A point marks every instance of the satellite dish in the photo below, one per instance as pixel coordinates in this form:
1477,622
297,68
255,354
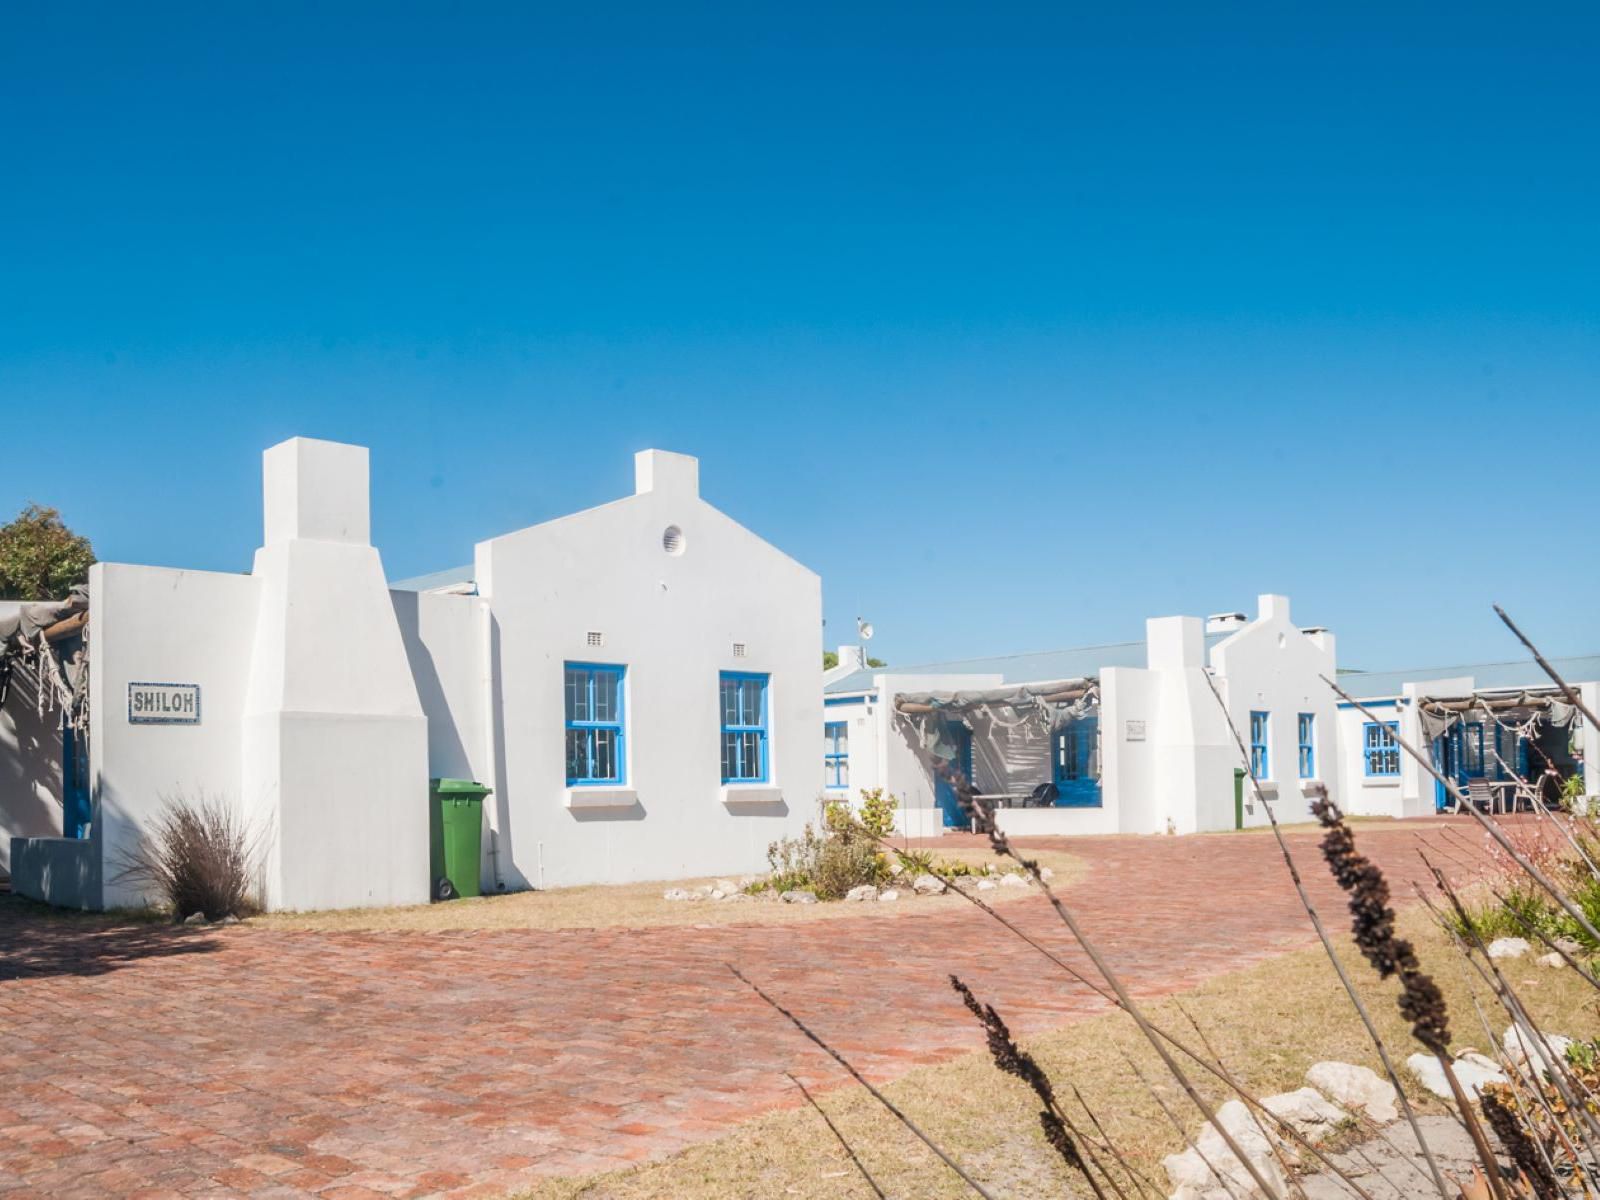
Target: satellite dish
864,629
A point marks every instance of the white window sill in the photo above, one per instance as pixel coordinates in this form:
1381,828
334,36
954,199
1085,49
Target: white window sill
1269,789
743,794
601,797
1380,781
1311,786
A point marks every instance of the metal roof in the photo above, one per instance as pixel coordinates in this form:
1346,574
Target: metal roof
439,579
1364,685
1081,662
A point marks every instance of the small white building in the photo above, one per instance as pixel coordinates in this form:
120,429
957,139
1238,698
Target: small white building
638,684
1492,728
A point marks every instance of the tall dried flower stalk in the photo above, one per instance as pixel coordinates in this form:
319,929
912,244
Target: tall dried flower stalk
1014,1060
1327,945
834,1129
862,1080
999,843
1421,1001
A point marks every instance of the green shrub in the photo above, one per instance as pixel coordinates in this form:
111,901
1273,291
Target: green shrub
842,856
877,812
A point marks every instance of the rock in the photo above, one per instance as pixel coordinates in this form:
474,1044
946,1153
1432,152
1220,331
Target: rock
887,895
798,896
864,892
738,898
1046,874
1359,1089
195,919
1311,1114
927,885
1552,960
1546,1056
1567,945
1194,1180
725,886
987,885
1013,881
1473,1070
1509,947
718,894
675,894
230,919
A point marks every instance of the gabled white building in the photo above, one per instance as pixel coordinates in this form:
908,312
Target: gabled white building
637,683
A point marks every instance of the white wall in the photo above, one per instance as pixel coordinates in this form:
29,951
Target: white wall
672,621
159,625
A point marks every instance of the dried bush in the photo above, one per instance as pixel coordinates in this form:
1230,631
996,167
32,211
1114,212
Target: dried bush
200,856
843,855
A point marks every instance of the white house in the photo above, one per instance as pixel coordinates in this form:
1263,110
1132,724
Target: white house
638,684
1121,738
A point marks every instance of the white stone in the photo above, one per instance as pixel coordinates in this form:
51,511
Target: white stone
1357,1088
198,918
887,895
230,919
1189,1174
718,893
1472,1070
738,898
1546,1056
1551,960
1509,947
1013,881
725,886
1046,874
675,894
798,896
987,885
865,892
1307,1110
927,885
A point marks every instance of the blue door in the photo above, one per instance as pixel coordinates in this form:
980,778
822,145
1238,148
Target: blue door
76,811
1451,759
1074,766
944,795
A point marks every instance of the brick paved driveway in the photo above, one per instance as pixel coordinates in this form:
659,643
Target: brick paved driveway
156,1061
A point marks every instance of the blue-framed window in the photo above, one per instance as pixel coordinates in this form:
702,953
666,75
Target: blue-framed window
744,727
1260,759
595,728
836,754
1379,750
1306,735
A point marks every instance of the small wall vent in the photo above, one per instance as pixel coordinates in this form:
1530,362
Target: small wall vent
672,540
595,638
738,650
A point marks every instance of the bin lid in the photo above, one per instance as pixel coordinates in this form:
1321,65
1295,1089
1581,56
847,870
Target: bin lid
459,787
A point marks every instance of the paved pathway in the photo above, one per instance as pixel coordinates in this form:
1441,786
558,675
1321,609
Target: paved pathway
154,1061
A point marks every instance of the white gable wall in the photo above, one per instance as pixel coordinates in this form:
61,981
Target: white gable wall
672,621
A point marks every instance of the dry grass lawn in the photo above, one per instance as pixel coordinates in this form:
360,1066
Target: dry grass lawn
638,905
1269,1023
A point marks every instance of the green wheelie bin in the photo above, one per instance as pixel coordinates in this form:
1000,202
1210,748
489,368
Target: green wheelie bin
455,837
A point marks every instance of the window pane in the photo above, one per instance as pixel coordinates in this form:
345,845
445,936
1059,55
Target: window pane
605,696
750,702
751,764
842,737
729,755
843,773
730,701
605,753
577,754
577,695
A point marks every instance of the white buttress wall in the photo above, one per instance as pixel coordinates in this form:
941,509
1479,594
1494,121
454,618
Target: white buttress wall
157,625
672,620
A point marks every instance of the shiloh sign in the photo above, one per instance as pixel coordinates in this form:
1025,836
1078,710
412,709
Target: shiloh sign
163,704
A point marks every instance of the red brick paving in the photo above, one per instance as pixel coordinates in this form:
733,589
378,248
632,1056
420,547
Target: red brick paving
174,1062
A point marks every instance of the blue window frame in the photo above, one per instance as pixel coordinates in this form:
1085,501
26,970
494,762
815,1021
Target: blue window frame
595,728
1472,760
744,727
1260,759
1306,735
836,754
1379,750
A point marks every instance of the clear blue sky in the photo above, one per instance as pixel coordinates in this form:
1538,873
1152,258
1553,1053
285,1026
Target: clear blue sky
1017,325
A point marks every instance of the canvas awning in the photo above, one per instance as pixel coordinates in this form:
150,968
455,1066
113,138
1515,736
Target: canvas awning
1510,709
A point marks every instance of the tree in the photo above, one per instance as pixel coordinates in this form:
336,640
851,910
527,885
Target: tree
830,660
40,558
876,662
